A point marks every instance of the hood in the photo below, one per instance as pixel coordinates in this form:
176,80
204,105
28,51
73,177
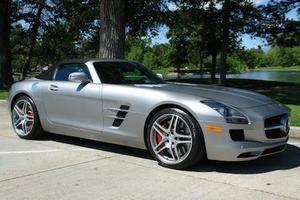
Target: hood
236,97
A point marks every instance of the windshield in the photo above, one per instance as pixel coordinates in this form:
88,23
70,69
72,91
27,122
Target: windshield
125,73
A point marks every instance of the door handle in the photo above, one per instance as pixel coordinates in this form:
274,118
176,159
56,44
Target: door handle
53,88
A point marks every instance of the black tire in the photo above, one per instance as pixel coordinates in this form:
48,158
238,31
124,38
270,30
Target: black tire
197,151
37,130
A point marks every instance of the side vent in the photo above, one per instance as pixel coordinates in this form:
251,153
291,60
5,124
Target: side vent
124,107
117,122
120,116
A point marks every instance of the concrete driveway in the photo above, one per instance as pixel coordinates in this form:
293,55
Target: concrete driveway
60,167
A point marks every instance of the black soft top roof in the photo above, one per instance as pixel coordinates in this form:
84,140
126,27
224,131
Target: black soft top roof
48,74
84,60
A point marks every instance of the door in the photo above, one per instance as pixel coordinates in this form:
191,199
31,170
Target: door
75,107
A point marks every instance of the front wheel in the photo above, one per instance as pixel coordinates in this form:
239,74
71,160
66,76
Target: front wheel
175,139
25,118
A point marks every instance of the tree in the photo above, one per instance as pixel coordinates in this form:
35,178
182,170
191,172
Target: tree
275,26
225,41
251,57
136,16
112,29
136,48
213,35
5,56
218,24
203,28
33,36
282,56
179,39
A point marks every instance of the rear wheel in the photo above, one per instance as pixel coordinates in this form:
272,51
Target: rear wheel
25,119
175,139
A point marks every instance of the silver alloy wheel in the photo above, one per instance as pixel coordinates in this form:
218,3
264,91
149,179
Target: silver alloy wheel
171,138
23,117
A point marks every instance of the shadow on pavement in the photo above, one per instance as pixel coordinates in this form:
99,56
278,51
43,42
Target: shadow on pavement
286,160
130,151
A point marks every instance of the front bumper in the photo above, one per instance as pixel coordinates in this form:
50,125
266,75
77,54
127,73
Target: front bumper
254,144
243,151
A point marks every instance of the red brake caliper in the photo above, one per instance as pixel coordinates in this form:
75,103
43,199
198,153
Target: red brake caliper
158,136
30,113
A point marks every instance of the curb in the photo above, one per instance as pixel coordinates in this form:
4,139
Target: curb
295,132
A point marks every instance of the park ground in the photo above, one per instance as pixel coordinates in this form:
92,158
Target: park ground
61,167
278,68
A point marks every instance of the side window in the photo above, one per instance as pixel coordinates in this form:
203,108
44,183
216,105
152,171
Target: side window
109,73
48,74
62,72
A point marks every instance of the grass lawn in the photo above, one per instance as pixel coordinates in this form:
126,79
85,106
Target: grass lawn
285,93
17,75
294,68
3,94
164,71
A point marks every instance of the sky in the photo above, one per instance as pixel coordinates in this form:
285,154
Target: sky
247,41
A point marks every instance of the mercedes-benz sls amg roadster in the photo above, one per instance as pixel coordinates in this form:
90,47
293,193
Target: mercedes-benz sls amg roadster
123,102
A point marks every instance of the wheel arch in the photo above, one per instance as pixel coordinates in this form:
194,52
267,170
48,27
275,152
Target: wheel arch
165,106
16,96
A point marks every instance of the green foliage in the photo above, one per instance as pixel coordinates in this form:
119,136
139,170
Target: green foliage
282,56
235,64
155,57
162,56
144,16
252,58
136,48
275,26
70,29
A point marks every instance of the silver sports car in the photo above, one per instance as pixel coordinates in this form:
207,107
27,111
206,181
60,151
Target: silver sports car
123,102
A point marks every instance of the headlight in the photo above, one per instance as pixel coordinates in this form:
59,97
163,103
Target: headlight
230,114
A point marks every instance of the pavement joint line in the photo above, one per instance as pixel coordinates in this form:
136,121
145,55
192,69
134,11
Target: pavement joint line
209,180
43,151
49,145
41,143
56,168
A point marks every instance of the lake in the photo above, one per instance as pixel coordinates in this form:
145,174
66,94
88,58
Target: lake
282,76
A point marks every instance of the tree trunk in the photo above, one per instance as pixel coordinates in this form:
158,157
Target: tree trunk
112,30
201,64
225,43
178,71
213,65
6,78
33,36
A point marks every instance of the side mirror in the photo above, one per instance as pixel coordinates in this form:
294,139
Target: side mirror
79,77
160,76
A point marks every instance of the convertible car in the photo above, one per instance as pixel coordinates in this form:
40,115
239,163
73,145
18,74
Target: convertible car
123,102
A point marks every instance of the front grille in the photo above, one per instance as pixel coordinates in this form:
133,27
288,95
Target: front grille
277,126
272,121
275,133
